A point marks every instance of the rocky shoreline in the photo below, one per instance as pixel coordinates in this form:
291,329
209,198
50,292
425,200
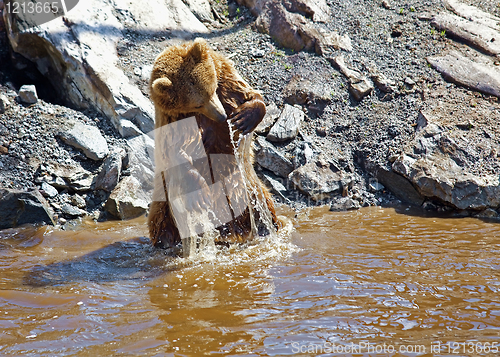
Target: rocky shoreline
393,103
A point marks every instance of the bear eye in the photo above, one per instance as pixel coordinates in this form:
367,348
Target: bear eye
198,107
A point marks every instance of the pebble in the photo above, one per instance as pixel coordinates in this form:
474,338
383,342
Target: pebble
49,190
257,53
78,201
27,94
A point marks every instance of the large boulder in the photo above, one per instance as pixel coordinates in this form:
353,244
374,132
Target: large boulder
294,24
439,177
78,53
22,207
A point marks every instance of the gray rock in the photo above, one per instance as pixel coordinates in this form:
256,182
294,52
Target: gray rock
108,177
27,94
49,190
257,53
383,83
438,176
482,77
128,129
473,13
487,213
290,25
88,139
72,211
360,85
272,113
303,154
375,186
308,88
472,27
78,201
22,207
330,41
267,156
71,177
344,204
3,103
399,186
141,160
277,186
318,181
201,9
288,124
127,200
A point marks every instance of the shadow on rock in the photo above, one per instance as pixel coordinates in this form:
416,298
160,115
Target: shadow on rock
129,260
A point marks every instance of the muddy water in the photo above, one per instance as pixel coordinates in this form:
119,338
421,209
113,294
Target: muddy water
369,283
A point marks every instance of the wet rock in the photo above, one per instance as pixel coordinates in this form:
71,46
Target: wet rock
272,113
487,213
201,9
127,200
360,85
318,181
78,52
71,177
267,156
344,204
473,26
288,124
108,177
27,94
482,77
22,207
49,190
401,187
72,211
88,139
277,186
438,176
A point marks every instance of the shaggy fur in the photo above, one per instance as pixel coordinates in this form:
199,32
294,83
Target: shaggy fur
193,80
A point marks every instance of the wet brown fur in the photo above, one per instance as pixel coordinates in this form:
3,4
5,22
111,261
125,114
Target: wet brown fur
194,73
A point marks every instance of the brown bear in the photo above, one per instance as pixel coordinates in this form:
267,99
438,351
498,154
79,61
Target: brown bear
196,92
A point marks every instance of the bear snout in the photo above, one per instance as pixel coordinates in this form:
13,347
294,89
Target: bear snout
214,109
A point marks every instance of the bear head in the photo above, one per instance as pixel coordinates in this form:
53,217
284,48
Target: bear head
184,80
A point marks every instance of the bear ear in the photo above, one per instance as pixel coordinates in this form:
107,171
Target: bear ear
161,85
199,50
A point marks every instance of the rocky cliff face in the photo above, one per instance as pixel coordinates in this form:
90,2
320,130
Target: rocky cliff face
396,104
